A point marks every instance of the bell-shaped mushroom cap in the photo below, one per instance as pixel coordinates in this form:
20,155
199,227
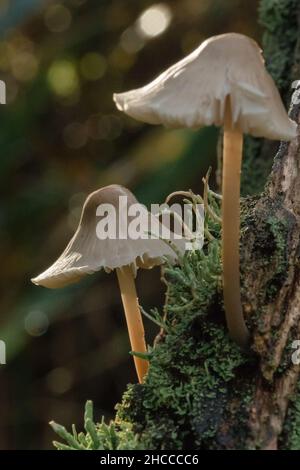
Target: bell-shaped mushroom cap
192,93
86,253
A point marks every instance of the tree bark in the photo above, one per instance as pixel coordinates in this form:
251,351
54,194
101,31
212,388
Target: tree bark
201,393
271,270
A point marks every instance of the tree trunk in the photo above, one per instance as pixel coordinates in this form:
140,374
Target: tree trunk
202,392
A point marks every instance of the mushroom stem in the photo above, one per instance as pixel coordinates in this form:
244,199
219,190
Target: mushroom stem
232,159
133,319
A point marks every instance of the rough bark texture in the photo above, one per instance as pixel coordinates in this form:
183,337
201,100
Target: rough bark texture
258,407
202,392
271,250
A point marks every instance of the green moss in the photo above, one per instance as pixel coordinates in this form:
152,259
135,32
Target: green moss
255,169
184,401
184,398
280,21
98,436
270,232
278,232
281,49
290,437
285,362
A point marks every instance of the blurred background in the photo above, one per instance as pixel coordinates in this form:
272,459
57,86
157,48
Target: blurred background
61,138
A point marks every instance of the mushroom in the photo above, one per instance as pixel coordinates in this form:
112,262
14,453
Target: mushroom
223,82
91,250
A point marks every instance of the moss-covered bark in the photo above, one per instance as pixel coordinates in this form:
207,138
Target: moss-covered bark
281,45
202,392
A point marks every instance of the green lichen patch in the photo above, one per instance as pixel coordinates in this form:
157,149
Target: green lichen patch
290,436
269,231
255,167
96,436
281,50
280,40
183,402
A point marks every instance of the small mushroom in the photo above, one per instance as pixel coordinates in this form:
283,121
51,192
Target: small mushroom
86,253
223,82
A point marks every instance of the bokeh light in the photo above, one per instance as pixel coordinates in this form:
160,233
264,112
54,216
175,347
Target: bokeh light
154,21
4,57
75,135
131,41
106,127
24,66
63,78
93,66
120,59
36,323
58,18
62,138
4,4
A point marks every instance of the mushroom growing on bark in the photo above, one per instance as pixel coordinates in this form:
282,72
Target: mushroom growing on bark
102,241
223,82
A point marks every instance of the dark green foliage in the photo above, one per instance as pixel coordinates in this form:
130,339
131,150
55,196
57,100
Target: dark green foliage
189,396
291,431
255,167
99,436
183,402
280,21
281,50
192,363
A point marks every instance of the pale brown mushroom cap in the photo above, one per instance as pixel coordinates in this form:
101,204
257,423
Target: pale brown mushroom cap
86,253
192,93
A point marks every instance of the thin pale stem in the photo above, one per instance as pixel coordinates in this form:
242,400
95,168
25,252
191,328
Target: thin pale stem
133,319
232,158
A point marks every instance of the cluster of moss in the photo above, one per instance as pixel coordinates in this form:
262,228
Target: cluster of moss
96,436
281,35
270,246
291,431
182,403
184,396
281,48
255,169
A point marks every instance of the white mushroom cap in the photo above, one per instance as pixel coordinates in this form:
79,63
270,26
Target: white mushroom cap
192,93
86,253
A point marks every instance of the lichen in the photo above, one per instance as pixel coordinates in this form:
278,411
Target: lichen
281,33
96,436
255,169
290,436
270,232
184,401
281,49
184,398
